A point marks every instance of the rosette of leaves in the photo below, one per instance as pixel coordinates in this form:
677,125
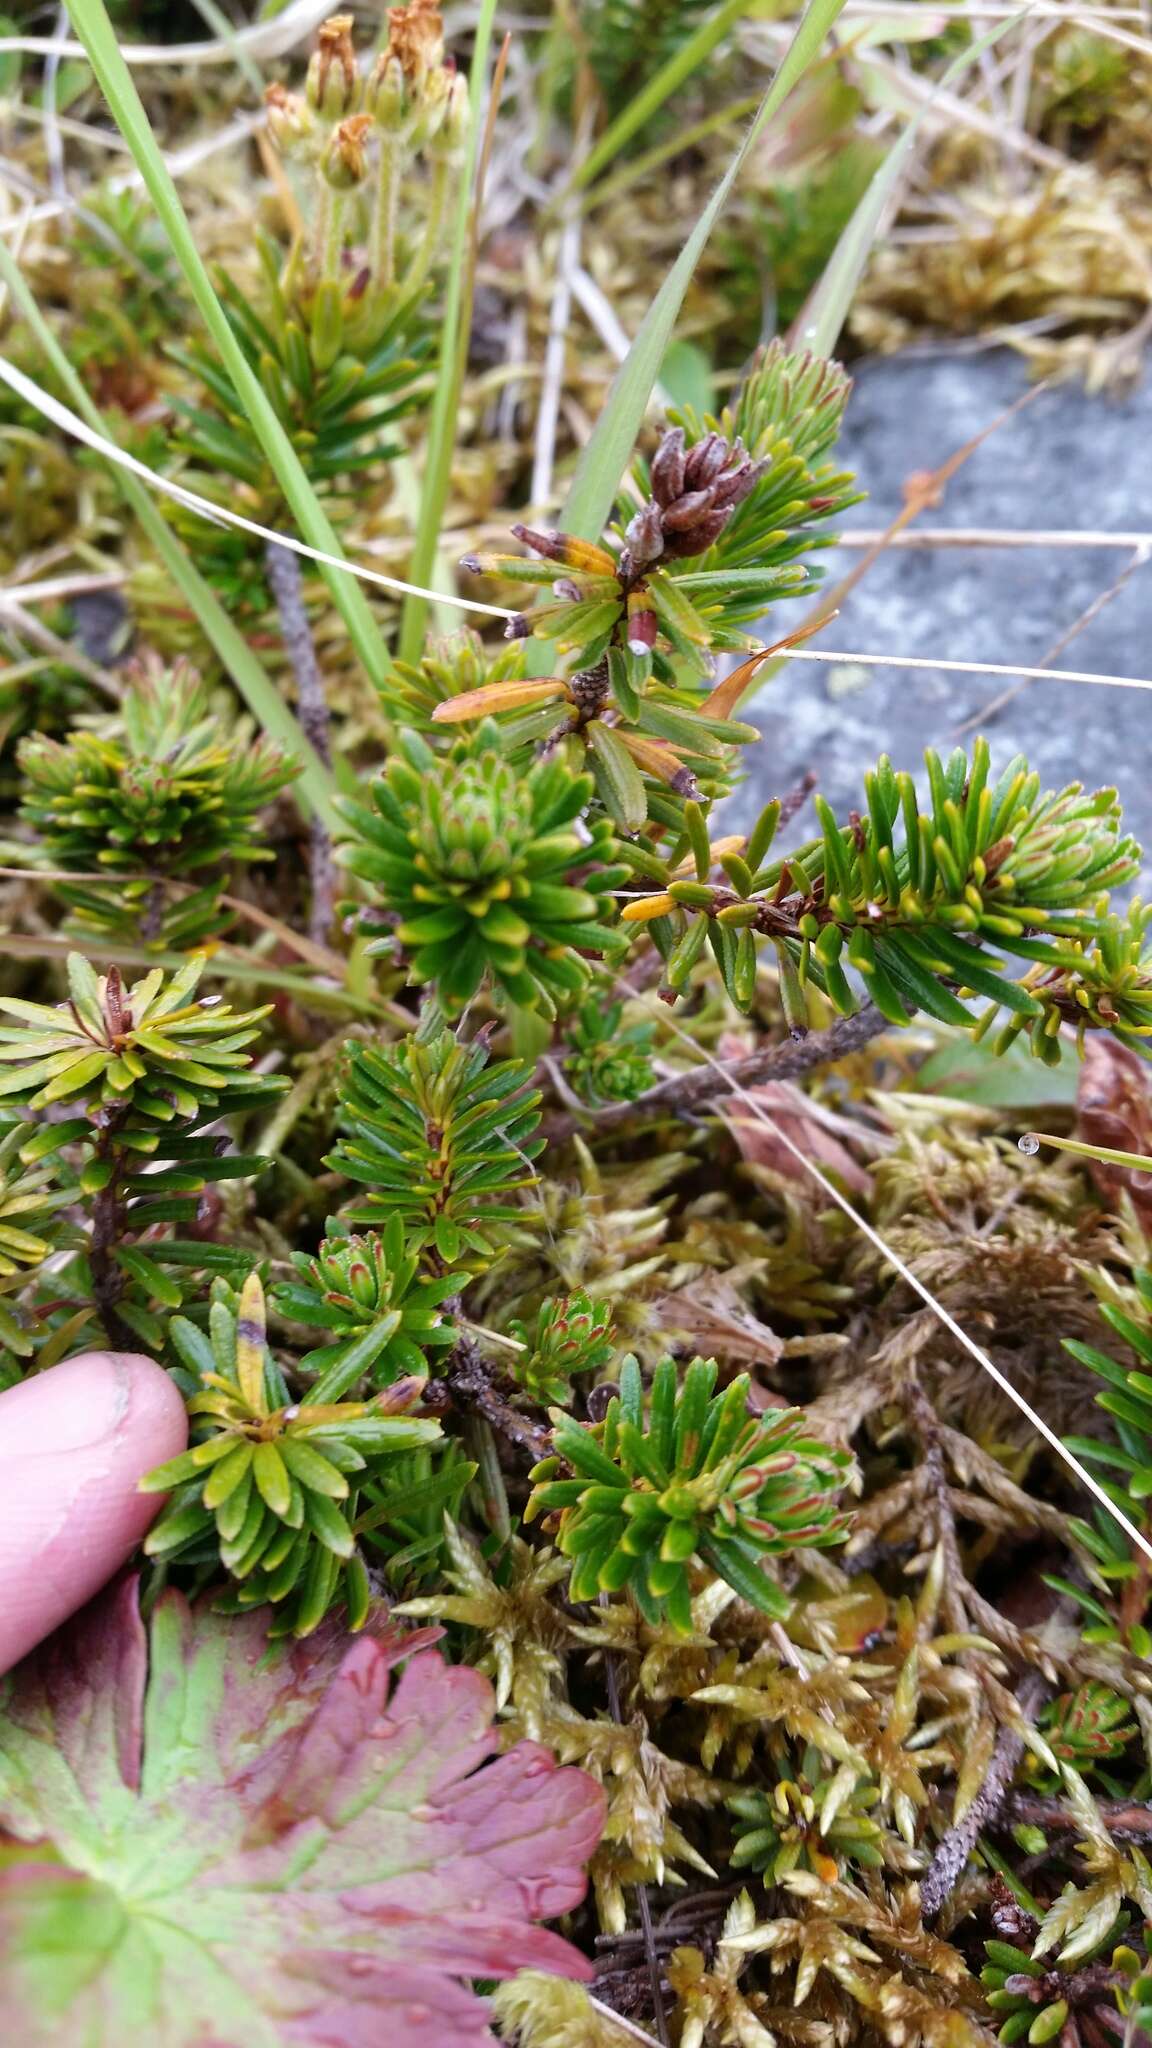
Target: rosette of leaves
271,1485
1078,2003
443,1137
698,1477
485,873
148,803
1090,1727
145,1073
573,1335
383,1313
1117,1609
815,1817
207,1839
909,899
608,1061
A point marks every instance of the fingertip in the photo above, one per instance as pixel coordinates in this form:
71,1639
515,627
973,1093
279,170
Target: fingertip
74,1444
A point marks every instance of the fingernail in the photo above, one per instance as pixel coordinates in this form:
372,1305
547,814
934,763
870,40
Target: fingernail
79,1404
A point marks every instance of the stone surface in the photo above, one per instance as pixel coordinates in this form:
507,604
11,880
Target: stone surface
1068,461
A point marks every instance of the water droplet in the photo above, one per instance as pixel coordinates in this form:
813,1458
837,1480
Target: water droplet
1029,1143
290,1414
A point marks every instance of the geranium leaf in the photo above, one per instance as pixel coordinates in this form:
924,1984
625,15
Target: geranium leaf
218,1846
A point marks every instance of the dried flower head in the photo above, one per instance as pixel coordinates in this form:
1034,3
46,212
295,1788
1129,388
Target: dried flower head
333,82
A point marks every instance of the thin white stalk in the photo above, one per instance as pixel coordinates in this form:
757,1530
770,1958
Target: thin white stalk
222,515
265,39
969,668
989,537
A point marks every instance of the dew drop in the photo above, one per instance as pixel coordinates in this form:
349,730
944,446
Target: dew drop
1029,1144
290,1414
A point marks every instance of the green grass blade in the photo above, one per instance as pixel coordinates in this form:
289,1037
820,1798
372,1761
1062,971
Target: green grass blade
680,66
450,372
818,326
610,447
93,28
315,786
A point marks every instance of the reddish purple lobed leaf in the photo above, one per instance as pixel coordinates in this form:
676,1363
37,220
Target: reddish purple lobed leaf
210,1845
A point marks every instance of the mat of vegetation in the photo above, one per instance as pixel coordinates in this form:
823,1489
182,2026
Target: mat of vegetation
664,1314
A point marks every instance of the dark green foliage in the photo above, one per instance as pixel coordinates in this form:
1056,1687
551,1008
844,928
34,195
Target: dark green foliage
573,1335
1117,1611
608,1063
443,1137
815,1817
1038,1999
727,506
339,376
628,40
384,1316
910,899
1089,1726
156,805
271,1486
486,872
698,1478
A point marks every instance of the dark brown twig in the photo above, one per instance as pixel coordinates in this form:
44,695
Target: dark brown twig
947,1866
470,1386
282,568
1125,1818
109,1220
684,1094
651,1953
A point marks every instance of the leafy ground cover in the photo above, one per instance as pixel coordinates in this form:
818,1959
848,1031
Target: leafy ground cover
664,1315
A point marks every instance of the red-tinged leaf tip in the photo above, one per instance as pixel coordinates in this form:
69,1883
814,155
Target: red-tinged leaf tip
208,1761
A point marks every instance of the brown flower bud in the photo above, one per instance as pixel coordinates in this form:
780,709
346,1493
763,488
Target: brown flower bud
680,516
642,622
644,537
333,82
345,162
699,538
705,461
416,37
668,467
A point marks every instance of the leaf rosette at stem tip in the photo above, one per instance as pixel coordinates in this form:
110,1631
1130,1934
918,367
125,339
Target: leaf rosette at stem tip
441,1135
153,1051
270,1487
382,1313
147,801
486,873
696,1479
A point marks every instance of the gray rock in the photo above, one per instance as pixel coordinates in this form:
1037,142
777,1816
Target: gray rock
1067,460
